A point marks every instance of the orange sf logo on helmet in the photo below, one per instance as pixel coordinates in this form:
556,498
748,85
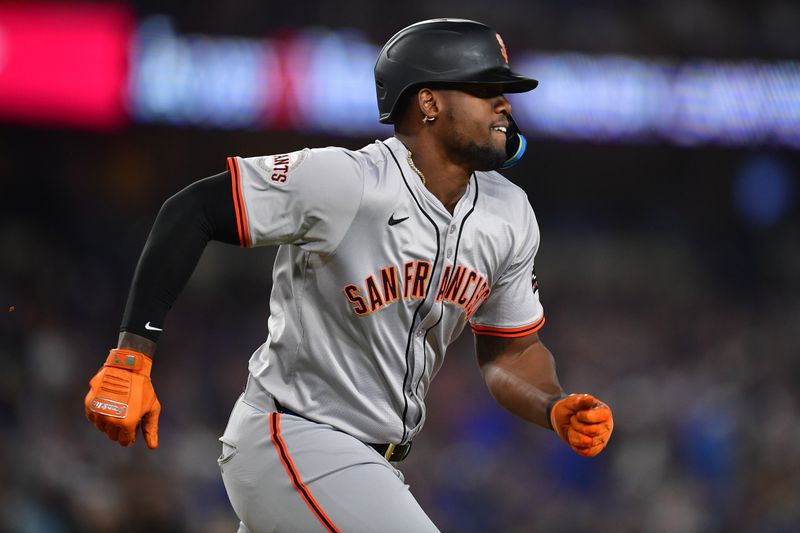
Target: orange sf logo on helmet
502,46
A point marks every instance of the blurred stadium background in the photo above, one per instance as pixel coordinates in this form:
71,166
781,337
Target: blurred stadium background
664,168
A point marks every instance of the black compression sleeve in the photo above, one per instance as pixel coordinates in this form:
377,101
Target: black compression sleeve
186,222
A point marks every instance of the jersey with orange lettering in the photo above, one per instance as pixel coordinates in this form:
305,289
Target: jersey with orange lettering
374,278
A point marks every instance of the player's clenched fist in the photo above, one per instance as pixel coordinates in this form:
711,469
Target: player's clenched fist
583,422
121,397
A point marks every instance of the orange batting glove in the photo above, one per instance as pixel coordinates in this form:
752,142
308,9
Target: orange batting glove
121,397
583,422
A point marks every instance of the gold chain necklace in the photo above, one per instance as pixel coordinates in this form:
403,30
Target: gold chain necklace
414,167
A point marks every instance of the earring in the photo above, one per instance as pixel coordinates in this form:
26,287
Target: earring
428,119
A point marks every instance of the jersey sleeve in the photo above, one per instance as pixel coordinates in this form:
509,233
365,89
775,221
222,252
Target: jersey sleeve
308,198
513,308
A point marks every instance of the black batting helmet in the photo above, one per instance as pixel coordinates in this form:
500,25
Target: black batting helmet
445,50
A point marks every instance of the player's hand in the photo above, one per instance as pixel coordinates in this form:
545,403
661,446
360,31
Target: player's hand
121,398
583,422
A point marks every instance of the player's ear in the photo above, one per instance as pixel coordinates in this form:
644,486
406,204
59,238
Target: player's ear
428,102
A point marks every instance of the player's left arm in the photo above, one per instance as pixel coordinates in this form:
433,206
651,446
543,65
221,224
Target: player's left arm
520,373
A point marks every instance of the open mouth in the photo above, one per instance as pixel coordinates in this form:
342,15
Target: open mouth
501,129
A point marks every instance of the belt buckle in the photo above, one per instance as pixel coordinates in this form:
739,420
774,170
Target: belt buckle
389,451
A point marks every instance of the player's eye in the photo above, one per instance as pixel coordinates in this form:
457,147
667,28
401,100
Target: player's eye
486,91
474,89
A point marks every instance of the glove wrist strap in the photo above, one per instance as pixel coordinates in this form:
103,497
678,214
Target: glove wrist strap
136,362
549,411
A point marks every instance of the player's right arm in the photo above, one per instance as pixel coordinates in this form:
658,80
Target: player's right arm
307,198
121,395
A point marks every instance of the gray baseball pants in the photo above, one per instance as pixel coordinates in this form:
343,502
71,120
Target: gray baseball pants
287,474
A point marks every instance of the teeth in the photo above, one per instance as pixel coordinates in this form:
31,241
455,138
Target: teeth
500,128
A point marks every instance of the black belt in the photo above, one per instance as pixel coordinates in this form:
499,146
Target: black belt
391,452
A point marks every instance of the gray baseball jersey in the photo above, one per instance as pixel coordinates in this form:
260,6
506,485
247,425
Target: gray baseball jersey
374,278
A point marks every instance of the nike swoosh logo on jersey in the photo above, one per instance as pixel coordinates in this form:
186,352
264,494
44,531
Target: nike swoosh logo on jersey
393,221
151,328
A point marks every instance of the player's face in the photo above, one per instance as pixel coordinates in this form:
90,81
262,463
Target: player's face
475,116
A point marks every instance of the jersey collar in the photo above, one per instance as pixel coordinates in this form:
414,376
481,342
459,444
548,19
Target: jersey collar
401,153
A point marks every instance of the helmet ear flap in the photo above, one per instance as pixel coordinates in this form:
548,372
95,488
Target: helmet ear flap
515,144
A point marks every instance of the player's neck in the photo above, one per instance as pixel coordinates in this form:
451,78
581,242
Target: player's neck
446,180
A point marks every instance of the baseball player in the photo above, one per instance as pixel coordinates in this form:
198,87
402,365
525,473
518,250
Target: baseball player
385,254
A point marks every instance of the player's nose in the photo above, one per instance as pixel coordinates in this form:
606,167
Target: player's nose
503,106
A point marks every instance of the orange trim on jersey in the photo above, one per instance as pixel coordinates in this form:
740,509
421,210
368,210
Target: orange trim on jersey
235,198
288,464
507,332
238,203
